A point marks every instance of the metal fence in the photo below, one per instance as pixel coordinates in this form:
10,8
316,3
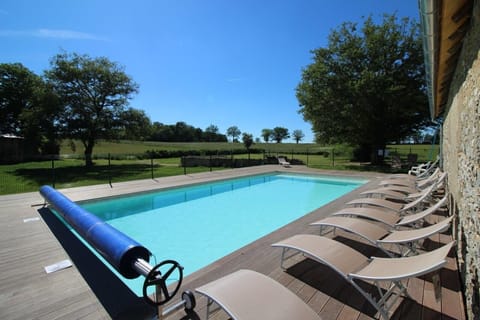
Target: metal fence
70,171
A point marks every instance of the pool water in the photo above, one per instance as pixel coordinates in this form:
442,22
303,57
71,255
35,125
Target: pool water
200,224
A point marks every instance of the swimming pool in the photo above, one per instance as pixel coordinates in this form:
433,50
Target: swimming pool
200,224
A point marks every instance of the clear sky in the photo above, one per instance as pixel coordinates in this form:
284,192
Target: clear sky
221,62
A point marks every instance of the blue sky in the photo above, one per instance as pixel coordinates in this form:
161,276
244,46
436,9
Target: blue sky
220,62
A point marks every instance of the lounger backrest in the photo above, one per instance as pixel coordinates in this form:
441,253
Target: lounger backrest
412,218
363,228
430,179
395,269
430,169
412,235
426,193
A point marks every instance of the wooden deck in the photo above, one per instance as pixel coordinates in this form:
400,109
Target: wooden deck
88,290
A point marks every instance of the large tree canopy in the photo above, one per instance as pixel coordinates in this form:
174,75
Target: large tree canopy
17,93
28,108
95,93
234,132
280,133
367,86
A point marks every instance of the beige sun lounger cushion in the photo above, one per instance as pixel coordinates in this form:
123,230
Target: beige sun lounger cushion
401,189
403,193
282,161
249,295
379,236
416,184
415,217
411,235
352,265
396,269
349,263
394,206
360,227
386,193
389,217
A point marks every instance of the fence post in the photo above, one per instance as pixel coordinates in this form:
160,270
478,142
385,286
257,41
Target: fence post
307,157
53,171
210,162
109,171
333,157
151,165
184,165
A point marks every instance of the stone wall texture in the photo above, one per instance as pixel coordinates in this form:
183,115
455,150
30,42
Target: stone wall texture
461,160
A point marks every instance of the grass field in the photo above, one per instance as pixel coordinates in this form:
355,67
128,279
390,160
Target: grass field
135,147
128,162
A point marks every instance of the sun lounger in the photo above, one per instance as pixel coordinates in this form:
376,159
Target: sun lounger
249,295
421,171
421,168
403,193
389,217
353,266
406,241
282,161
386,193
417,184
394,206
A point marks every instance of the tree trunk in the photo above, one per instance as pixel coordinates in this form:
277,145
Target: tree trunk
88,153
378,155
370,153
362,153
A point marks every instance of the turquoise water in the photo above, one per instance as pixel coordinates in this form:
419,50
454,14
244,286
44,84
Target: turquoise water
200,224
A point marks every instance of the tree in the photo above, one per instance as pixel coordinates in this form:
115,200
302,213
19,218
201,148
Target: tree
136,125
94,93
212,129
280,133
28,108
267,134
367,87
247,140
212,134
298,135
17,94
161,132
234,132
184,132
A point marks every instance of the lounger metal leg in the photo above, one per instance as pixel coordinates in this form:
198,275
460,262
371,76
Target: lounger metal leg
380,246
209,310
383,304
286,257
370,299
209,303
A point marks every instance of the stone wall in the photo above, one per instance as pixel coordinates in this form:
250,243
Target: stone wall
461,159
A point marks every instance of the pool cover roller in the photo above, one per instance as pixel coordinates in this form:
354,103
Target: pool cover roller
117,248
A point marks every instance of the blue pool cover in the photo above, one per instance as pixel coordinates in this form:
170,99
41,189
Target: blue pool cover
117,248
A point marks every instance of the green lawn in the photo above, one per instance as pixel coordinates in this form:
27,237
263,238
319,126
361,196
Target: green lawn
125,165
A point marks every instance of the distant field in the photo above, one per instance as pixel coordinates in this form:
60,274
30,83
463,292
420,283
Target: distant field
134,147
128,161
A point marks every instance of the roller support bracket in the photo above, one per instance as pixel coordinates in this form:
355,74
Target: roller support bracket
159,280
